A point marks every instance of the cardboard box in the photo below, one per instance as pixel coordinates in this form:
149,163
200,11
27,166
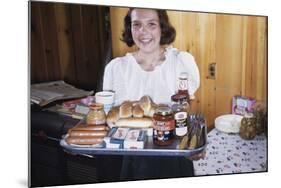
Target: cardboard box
242,105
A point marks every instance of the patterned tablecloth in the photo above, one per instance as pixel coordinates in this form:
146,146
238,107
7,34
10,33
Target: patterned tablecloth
228,153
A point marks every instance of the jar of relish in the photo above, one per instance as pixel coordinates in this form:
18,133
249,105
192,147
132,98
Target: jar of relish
163,126
96,114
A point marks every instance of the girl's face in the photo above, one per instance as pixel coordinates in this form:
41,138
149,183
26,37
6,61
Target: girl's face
145,28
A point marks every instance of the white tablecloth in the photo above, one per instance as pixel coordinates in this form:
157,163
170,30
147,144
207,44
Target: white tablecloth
228,153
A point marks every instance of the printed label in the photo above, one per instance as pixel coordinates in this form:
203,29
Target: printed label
181,123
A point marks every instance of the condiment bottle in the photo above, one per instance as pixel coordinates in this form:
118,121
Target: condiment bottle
248,129
180,116
96,114
182,95
163,126
183,86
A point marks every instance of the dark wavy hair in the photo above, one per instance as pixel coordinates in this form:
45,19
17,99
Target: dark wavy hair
168,32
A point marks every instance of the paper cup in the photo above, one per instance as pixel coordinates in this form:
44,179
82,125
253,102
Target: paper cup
106,98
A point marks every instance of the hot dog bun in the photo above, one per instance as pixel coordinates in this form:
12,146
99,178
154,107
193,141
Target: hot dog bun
145,104
126,110
134,122
138,111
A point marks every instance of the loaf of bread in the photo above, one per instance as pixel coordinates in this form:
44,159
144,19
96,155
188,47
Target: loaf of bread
134,122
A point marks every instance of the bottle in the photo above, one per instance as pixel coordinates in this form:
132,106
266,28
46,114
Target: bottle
182,95
183,86
180,116
96,115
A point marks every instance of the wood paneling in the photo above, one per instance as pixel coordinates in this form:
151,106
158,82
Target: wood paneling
68,42
229,60
237,44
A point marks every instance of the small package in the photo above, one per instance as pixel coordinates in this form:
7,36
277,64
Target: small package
116,137
242,105
135,139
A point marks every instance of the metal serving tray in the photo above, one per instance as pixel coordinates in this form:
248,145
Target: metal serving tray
150,149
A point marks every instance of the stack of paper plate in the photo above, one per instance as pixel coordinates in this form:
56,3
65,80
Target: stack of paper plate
229,123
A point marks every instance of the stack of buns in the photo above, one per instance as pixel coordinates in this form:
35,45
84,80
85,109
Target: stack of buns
132,114
86,134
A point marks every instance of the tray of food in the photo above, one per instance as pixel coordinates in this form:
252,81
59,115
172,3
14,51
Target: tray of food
138,128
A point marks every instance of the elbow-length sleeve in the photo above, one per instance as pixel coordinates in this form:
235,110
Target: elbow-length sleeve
187,64
113,80
107,78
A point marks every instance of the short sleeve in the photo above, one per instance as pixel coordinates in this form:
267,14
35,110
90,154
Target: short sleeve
187,64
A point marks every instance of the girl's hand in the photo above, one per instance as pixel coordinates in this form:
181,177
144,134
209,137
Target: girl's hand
197,156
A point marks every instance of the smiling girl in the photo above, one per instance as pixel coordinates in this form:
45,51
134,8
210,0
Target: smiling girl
152,70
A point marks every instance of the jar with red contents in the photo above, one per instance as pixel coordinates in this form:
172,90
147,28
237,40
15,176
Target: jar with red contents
163,126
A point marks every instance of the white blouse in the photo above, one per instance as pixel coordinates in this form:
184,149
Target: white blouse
129,81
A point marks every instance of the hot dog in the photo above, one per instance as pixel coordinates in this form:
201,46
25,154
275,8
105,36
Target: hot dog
89,127
84,140
85,133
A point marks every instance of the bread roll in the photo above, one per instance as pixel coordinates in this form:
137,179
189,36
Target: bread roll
152,110
126,110
135,122
138,111
113,115
145,103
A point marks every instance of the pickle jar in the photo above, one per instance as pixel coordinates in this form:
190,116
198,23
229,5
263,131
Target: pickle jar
96,114
163,126
248,129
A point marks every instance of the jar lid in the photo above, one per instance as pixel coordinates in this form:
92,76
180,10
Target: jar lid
96,106
249,115
163,110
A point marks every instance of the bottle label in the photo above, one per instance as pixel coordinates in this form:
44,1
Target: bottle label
162,135
182,84
181,123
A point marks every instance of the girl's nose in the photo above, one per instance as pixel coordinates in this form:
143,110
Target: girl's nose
143,29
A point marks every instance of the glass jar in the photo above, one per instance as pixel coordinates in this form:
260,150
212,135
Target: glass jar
248,130
96,115
180,116
163,126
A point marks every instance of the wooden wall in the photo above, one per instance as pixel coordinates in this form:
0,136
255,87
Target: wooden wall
69,42
236,44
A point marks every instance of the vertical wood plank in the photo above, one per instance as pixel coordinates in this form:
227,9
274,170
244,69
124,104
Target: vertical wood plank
50,41
65,42
255,59
117,24
229,60
205,56
38,67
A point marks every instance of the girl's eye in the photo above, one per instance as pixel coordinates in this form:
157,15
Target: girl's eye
136,25
152,25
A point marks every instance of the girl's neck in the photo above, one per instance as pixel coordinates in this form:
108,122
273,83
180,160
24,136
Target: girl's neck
149,60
